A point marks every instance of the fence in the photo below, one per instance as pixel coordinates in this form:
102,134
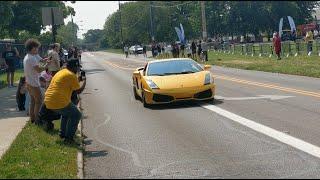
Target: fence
19,62
288,48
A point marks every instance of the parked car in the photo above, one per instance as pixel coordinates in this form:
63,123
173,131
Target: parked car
136,49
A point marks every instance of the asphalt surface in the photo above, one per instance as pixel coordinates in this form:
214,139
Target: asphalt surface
186,140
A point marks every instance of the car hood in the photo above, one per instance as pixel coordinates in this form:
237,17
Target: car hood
179,81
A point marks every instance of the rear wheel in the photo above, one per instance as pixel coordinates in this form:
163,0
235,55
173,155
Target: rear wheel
136,96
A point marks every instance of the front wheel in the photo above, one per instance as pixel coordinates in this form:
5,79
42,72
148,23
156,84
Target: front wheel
136,96
145,104
210,101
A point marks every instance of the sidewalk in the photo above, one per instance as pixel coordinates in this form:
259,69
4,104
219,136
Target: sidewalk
11,120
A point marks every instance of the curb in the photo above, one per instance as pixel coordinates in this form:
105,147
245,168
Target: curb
80,152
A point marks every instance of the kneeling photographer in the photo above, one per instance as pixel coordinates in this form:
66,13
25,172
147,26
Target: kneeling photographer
61,98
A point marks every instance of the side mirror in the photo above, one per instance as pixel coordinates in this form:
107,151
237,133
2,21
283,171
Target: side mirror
140,68
207,67
136,73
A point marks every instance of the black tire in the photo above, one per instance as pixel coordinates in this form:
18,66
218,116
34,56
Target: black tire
210,101
145,104
136,96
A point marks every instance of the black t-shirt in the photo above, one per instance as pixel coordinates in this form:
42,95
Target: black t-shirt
193,46
10,57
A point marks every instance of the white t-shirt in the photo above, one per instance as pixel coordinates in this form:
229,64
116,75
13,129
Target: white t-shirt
32,76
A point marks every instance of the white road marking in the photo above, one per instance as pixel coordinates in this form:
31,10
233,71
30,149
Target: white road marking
134,155
271,97
280,136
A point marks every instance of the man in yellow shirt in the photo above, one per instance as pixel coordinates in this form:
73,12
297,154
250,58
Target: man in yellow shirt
58,99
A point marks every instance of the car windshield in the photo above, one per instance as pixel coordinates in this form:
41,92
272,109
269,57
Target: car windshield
173,67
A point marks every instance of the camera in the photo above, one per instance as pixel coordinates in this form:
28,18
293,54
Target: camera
82,75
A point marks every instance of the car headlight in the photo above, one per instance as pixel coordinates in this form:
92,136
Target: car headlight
208,79
151,84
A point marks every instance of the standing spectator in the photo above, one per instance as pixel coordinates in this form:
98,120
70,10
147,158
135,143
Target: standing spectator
136,50
54,59
126,50
315,33
76,53
58,99
159,49
144,51
277,45
177,49
162,48
194,49
182,47
32,72
199,50
173,50
168,49
204,47
189,51
153,49
10,56
309,40
70,52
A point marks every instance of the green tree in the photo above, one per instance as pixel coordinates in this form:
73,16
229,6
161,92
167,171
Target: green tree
27,15
6,15
67,34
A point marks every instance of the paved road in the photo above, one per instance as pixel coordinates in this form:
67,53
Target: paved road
262,125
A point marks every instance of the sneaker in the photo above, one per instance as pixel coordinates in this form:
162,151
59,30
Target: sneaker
69,141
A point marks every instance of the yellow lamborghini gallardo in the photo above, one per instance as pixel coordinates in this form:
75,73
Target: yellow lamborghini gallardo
169,80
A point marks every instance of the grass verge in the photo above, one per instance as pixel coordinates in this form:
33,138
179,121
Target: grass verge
38,154
3,77
300,65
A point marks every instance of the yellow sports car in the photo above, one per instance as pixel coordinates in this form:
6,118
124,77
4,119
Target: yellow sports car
169,80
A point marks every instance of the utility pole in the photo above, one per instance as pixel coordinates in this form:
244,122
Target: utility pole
204,24
73,30
120,26
151,22
54,31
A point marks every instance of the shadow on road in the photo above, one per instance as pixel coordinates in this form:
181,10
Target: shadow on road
184,104
94,71
92,154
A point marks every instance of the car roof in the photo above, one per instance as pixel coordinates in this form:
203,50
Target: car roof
169,59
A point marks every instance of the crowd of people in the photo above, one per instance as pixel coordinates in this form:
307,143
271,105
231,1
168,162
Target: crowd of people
196,50
50,86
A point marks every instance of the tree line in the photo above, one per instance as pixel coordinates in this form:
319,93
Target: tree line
21,20
224,18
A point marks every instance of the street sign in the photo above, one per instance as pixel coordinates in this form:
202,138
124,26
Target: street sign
47,16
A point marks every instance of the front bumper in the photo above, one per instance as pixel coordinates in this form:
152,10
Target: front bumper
158,96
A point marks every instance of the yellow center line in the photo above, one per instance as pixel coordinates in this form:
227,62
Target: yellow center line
116,66
242,81
271,86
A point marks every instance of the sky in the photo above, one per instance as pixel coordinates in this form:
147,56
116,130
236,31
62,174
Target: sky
91,14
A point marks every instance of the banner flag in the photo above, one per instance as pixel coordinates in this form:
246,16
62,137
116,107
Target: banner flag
292,25
178,33
280,26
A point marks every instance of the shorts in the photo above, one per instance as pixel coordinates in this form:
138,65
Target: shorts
11,69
